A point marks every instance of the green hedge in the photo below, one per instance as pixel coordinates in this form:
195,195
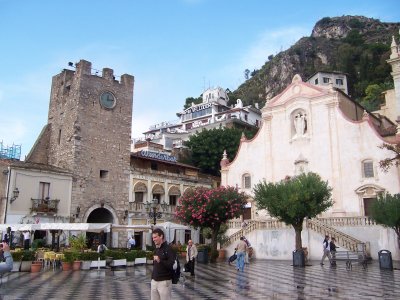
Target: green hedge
25,255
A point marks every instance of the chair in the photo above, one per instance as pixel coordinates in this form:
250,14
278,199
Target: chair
40,256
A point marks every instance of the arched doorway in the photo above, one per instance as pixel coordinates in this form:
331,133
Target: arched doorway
99,215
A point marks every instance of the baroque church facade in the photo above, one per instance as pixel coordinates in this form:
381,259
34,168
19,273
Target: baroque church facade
309,128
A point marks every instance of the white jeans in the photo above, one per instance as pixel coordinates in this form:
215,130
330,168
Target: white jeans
161,290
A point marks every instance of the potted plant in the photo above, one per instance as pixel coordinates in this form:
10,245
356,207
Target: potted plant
36,266
87,258
17,258
27,257
67,260
78,245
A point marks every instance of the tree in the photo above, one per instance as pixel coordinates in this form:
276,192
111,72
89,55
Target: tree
386,163
190,100
373,97
208,158
293,199
386,211
202,207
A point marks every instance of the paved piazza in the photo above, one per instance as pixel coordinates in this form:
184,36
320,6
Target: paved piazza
262,279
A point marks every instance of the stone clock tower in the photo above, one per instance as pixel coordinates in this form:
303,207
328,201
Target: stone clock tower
89,133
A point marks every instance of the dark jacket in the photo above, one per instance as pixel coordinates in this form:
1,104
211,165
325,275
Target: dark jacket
163,269
332,246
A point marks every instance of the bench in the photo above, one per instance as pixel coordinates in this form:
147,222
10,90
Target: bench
349,257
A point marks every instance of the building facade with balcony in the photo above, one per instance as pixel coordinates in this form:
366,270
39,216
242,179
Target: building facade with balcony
44,193
157,176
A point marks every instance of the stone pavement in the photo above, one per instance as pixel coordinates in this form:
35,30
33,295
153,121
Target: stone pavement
262,279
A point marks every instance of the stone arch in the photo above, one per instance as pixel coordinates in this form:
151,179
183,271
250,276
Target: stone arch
140,187
158,189
174,190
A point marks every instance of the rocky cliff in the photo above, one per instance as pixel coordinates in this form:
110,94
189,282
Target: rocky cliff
355,45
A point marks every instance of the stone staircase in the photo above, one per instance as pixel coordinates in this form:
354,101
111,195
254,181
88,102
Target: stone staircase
321,226
342,239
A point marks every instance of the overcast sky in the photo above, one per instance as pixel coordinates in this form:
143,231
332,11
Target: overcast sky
174,48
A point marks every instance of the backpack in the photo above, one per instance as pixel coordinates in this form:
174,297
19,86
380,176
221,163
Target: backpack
176,270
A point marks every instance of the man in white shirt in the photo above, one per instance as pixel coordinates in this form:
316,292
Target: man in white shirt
191,254
131,243
27,239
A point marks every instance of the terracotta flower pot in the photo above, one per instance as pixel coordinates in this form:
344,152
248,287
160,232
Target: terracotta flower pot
76,265
36,266
221,253
66,266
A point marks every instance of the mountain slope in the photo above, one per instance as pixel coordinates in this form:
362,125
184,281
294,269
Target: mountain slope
355,45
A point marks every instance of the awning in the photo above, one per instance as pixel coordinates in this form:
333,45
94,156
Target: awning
90,227
115,228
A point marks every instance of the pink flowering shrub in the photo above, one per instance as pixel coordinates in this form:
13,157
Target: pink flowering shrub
202,207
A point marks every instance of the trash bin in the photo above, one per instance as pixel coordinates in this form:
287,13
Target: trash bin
202,256
298,258
385,259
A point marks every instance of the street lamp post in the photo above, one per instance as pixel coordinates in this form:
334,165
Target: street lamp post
154,209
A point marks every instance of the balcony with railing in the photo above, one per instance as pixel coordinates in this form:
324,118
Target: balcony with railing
46,205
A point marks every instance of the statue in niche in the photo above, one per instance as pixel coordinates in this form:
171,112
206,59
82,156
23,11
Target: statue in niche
300,124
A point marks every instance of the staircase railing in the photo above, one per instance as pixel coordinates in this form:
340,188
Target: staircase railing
342,239
321,226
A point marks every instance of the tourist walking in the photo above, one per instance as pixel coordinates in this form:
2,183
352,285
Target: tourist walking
7,265
241,250
163,261
332,248
191,254
326,250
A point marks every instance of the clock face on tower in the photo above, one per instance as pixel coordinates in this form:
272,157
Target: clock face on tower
107,100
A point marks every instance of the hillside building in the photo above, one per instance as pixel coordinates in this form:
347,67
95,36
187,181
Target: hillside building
213,112
336,79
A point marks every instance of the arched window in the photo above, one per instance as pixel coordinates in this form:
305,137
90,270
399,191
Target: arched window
246,181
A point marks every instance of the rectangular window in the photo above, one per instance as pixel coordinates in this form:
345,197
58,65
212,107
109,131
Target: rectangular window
339,81
44,190
367,206
103,174
325,79
368,171
316,81
172,199
154,166
139,197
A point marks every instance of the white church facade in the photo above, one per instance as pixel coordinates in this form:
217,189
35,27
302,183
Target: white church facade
318,129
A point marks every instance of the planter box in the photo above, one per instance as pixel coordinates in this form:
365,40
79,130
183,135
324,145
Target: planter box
202,256
118,263
86,265
98,264
16,266
140,260
26,266
130,263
